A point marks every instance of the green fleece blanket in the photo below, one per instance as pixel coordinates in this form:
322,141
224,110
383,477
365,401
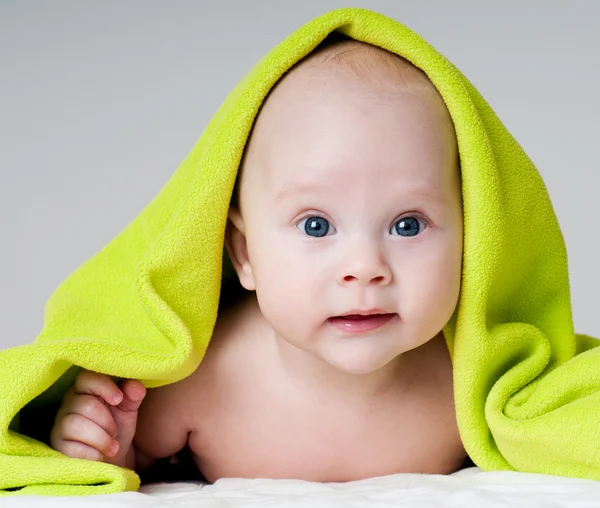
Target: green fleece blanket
527,389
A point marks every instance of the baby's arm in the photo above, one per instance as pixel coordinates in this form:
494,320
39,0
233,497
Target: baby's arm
164,423
101,421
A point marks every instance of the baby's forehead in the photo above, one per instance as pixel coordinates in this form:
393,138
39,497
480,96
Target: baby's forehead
373,72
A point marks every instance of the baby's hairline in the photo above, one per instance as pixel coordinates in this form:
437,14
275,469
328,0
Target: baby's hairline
375,69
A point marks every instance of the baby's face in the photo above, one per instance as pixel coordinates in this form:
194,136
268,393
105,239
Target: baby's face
351,204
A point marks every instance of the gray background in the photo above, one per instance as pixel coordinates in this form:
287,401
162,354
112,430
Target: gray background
101,101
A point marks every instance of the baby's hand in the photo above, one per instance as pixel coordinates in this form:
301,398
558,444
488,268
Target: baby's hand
97,419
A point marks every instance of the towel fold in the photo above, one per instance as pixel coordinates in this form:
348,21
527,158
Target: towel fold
527,388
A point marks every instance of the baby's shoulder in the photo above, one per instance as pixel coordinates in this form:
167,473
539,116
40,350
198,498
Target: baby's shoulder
229,344
234,329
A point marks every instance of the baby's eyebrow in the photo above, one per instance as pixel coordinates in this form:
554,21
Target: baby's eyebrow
298,188
426,193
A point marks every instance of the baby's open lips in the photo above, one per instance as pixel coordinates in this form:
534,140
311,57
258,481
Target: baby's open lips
361,316
361,321
363,312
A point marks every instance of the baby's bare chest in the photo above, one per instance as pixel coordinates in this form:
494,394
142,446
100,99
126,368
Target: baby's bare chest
258,433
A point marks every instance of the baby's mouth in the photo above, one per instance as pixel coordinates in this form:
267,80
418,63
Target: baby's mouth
360,323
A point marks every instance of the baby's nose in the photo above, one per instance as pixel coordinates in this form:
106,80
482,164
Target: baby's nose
365,266
378,279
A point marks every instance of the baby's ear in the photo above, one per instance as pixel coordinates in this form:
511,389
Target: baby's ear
235,243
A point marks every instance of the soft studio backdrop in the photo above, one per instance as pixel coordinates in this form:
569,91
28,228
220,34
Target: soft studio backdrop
101,101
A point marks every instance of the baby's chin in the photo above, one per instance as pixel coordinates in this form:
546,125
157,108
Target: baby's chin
360,359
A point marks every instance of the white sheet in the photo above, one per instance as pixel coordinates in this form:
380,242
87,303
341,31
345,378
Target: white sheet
467,488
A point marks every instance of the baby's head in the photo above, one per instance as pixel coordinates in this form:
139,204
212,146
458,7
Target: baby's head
349,202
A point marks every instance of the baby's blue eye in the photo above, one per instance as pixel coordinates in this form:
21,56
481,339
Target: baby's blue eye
408,226
315,226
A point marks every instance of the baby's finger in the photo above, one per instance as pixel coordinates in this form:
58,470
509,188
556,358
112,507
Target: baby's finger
133,395
75,427
100,385
93,409
79,450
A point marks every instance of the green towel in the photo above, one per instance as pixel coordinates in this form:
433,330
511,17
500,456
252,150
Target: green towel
527,389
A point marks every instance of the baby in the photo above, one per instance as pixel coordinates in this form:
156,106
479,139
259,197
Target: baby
346,229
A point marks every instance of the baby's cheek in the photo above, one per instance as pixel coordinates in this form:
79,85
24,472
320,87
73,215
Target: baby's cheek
440,295
287,302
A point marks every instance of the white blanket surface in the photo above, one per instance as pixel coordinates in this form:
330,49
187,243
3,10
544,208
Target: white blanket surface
467,488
